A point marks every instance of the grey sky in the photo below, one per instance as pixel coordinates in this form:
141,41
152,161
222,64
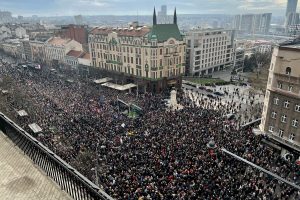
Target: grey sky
143,7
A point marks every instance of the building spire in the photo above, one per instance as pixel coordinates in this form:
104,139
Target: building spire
175,17
154,17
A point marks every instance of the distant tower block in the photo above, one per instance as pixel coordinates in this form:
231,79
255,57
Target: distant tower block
173,100
78,19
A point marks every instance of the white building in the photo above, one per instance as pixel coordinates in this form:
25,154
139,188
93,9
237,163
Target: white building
5,32
209,50
20,32
85,59
56,49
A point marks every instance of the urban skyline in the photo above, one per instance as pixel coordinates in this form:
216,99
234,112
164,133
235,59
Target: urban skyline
117,7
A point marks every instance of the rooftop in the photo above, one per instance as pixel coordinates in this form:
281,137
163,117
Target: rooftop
85,55
165,31
57,41
21,179
133,32
74,53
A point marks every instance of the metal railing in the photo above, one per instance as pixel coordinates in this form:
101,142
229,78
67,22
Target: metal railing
68,178
252,123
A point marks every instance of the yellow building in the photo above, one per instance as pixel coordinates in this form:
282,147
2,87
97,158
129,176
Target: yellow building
152,57
281,112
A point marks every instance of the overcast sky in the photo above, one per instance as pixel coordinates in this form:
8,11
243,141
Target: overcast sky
143,7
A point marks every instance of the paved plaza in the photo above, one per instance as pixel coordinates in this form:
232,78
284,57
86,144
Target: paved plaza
21,179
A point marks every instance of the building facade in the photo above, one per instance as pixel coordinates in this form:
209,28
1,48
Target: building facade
209,50
281,112
37,51
56,48
153,58
252,23
291,6
27,50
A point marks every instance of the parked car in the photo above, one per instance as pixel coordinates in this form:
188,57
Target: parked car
209,90
211,96
219,93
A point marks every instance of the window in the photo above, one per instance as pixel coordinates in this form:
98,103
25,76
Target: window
290,88
288,71
280,133
295,123
286,104
279,85
271,129
297,108
292,137
273,115
276,100
283,118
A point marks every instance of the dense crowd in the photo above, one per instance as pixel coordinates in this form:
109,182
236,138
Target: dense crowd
162,154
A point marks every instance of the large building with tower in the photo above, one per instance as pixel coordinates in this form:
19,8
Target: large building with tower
281,112
151,57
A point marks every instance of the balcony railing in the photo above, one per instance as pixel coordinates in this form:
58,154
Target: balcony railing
68,178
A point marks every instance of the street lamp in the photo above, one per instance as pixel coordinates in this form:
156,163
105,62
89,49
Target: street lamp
211,145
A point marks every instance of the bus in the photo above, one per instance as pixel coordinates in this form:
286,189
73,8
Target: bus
34,66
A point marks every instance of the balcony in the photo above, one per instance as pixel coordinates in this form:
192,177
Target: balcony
114,62
285,142
287,78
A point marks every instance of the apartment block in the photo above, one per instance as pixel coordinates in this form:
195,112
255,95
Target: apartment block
209,50
281,112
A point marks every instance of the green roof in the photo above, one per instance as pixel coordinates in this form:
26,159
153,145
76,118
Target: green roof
165,31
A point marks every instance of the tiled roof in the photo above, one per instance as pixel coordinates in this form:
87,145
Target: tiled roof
74,53
58,41
85,55
133,32
165,31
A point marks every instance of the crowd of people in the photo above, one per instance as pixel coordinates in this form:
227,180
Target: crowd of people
162,154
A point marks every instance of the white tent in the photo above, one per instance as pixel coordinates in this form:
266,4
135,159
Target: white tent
103,80
4,91
22,113
119,87
35,128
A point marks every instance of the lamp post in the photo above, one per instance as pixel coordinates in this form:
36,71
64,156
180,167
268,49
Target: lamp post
211,145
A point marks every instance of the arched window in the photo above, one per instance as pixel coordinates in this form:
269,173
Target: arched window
288,71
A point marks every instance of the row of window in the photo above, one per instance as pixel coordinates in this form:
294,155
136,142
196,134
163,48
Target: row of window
138,72
283,119
281,133
136,50
286,104
280,86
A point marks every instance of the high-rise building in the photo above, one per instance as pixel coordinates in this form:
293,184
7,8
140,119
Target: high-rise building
5,17
291,7
78,19
281,112
252,23
291,19
162,14
237,22
262,23
209,50
153,58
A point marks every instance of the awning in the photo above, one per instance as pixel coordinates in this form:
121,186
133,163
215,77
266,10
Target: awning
35,128
22,113
119,87
4,91
103,80
70,81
